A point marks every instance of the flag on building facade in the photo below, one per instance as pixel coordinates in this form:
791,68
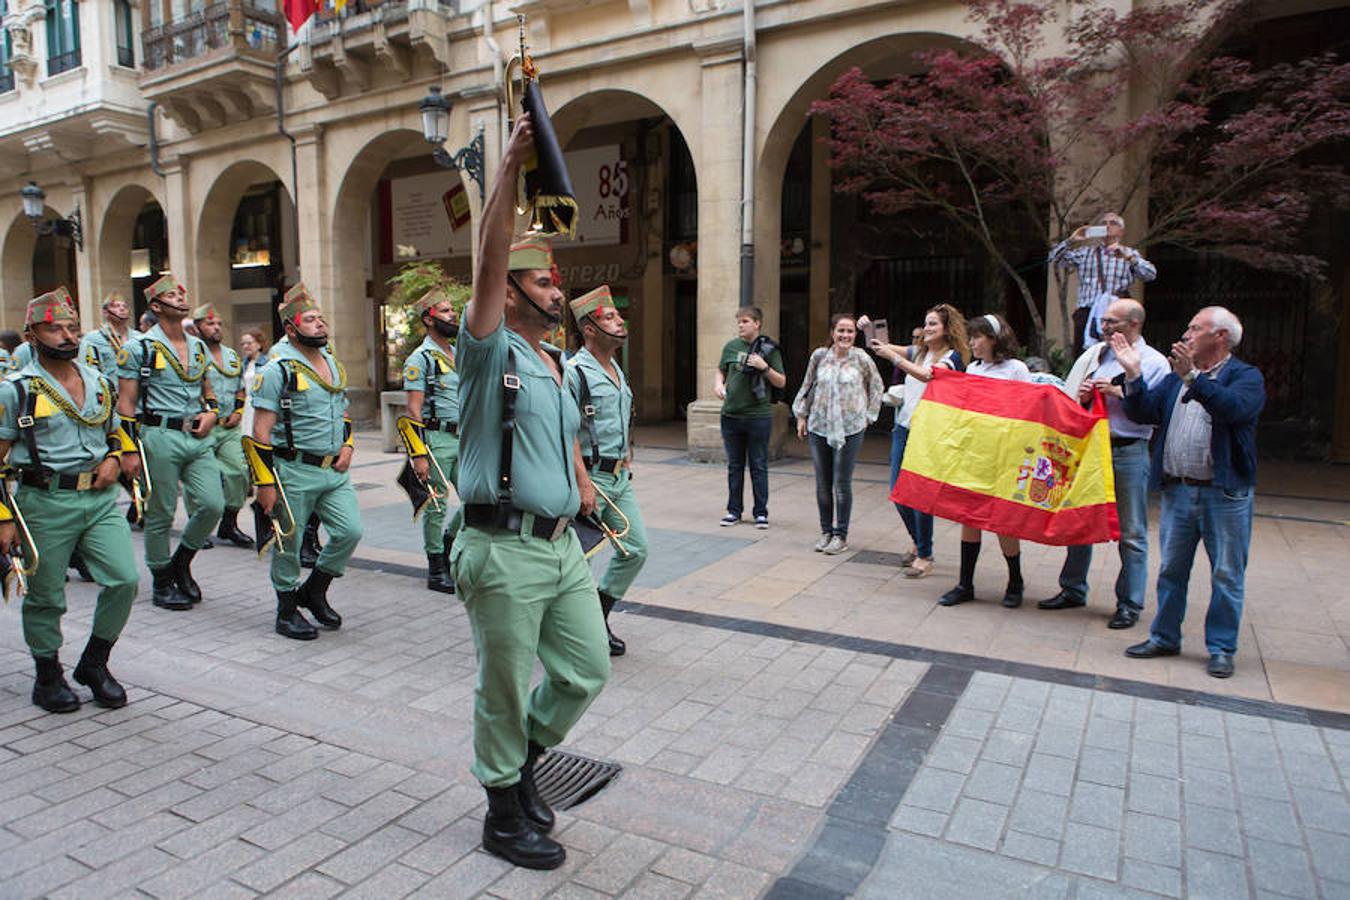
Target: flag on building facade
299,12
1011,457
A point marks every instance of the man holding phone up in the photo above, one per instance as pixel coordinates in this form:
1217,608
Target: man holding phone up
1106,268
1098,369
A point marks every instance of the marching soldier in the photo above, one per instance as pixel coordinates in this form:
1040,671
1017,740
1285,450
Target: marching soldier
301,448
601,392
164,389
227,383
9,342
59,433
99,348
432,384
517,565
310,547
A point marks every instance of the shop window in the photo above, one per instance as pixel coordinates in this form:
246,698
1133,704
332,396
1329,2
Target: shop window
255,239
63,36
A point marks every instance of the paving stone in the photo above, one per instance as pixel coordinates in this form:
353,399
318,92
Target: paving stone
59,815
1330,854
1264,781
1208,787
374,813
309,886
203,836
657,887
1091,851
1323,810
1212,828
730,881
188,878
432,815
1040,850
1297,738
211,803
620,863
919,820
969,722
25,855
1151,877
1215,875
1307,770
1019,718
1204,751
118,876
1154,839
443,849
954,753
288,861
469,875
1096,804
129,839
358,860
1200,720
1051,774
977,823
1059,740
1040,814
1153,758
42,879
685,865
1102,766
1281,868
935,790
1008,747
1154,795
1270,820
993,782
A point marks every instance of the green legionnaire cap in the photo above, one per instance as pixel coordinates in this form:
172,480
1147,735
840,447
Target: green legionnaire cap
163,286
204,312
53,306
531,252
592,302
430,299
113,296
297,302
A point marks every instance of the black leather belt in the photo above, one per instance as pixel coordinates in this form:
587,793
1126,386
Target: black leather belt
1191,482
173,423
1124,441
309,459
450,428
68,481
509,518
609,466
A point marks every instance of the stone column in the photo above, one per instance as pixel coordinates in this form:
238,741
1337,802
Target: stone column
179,215
86,260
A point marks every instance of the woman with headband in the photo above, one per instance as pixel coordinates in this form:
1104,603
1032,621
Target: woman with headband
994,347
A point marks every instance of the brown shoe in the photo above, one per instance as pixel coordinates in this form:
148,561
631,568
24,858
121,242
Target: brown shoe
919,568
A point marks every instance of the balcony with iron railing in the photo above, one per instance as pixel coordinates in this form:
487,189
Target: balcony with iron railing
63,62
232,25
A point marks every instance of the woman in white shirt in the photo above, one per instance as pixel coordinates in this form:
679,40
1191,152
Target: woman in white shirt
840,396
941,345
994,347
253,348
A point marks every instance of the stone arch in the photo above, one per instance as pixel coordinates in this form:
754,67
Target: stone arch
116,233
16,266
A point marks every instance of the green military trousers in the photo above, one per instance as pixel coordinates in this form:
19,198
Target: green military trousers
445,450
174,457
61,520
621,571
330,495
527,598
229,452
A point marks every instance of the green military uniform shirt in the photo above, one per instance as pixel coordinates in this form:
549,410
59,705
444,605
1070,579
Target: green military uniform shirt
317,405
22,356
65,444
613,404
99,349
542,478
5,362
428,369
740,401
174,390
225,379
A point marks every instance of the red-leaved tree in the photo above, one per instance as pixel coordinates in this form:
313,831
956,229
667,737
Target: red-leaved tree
1009,137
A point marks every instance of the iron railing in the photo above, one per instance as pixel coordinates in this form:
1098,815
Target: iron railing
210,29
6,82
63,62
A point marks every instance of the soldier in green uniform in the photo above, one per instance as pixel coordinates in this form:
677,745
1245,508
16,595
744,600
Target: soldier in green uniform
600,389
300,420
99,348
517,564
164,389
432,384
22,356
227,383
9,342
59,432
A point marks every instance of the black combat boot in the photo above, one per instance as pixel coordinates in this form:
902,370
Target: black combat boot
92,672
50,690
228,530
181,566
445,557
310,546
165,593
616,646
438,579
507,833
291,622
314,597
533,805
78,564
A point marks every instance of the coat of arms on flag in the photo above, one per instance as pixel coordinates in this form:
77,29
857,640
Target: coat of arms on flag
1018,459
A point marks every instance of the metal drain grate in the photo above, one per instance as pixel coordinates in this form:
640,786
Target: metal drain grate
567,779
876,558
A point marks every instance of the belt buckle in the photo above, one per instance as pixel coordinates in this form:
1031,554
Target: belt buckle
559,527
84,481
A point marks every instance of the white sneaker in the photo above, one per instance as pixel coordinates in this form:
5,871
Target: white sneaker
761,522
823,542
836,545
728,520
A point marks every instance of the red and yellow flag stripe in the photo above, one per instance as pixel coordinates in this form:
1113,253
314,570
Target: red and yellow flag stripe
1014,458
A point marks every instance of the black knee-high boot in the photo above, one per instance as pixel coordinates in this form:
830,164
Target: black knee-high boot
1012,597
965,588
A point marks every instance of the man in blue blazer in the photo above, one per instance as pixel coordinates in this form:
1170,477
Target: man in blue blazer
1204,462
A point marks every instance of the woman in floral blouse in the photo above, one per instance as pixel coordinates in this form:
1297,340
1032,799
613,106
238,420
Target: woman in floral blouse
840,396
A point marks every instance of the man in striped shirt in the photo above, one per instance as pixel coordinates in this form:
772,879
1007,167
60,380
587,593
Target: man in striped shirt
1106,268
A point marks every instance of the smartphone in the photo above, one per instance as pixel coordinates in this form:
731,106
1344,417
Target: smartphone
882,331
1095,231
869,330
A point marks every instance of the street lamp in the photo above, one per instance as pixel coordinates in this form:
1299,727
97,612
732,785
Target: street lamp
435,111
35,207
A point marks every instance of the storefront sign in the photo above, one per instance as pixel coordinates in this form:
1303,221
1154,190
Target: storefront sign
577,276
419,217
601,181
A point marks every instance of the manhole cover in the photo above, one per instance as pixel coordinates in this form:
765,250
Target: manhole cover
568,779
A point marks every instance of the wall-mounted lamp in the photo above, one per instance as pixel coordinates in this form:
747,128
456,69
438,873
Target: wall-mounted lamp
435,111
35,207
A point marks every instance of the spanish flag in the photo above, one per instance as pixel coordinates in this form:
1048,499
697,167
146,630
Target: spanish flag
1013,458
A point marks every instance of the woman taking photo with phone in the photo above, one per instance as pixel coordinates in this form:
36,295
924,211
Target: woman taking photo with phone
994,347
840,396
942,344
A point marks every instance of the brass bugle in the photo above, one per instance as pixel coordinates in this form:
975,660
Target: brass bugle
282,533
615,537
140,495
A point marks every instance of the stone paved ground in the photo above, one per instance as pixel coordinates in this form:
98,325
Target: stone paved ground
767,749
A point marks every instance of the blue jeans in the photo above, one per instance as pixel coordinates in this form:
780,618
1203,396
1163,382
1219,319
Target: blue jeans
1130,464
1223,521
742,438
918,524
834,481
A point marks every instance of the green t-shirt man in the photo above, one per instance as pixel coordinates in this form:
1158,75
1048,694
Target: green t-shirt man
740,400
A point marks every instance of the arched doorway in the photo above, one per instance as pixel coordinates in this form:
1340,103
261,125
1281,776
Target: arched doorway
637,193
31,264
